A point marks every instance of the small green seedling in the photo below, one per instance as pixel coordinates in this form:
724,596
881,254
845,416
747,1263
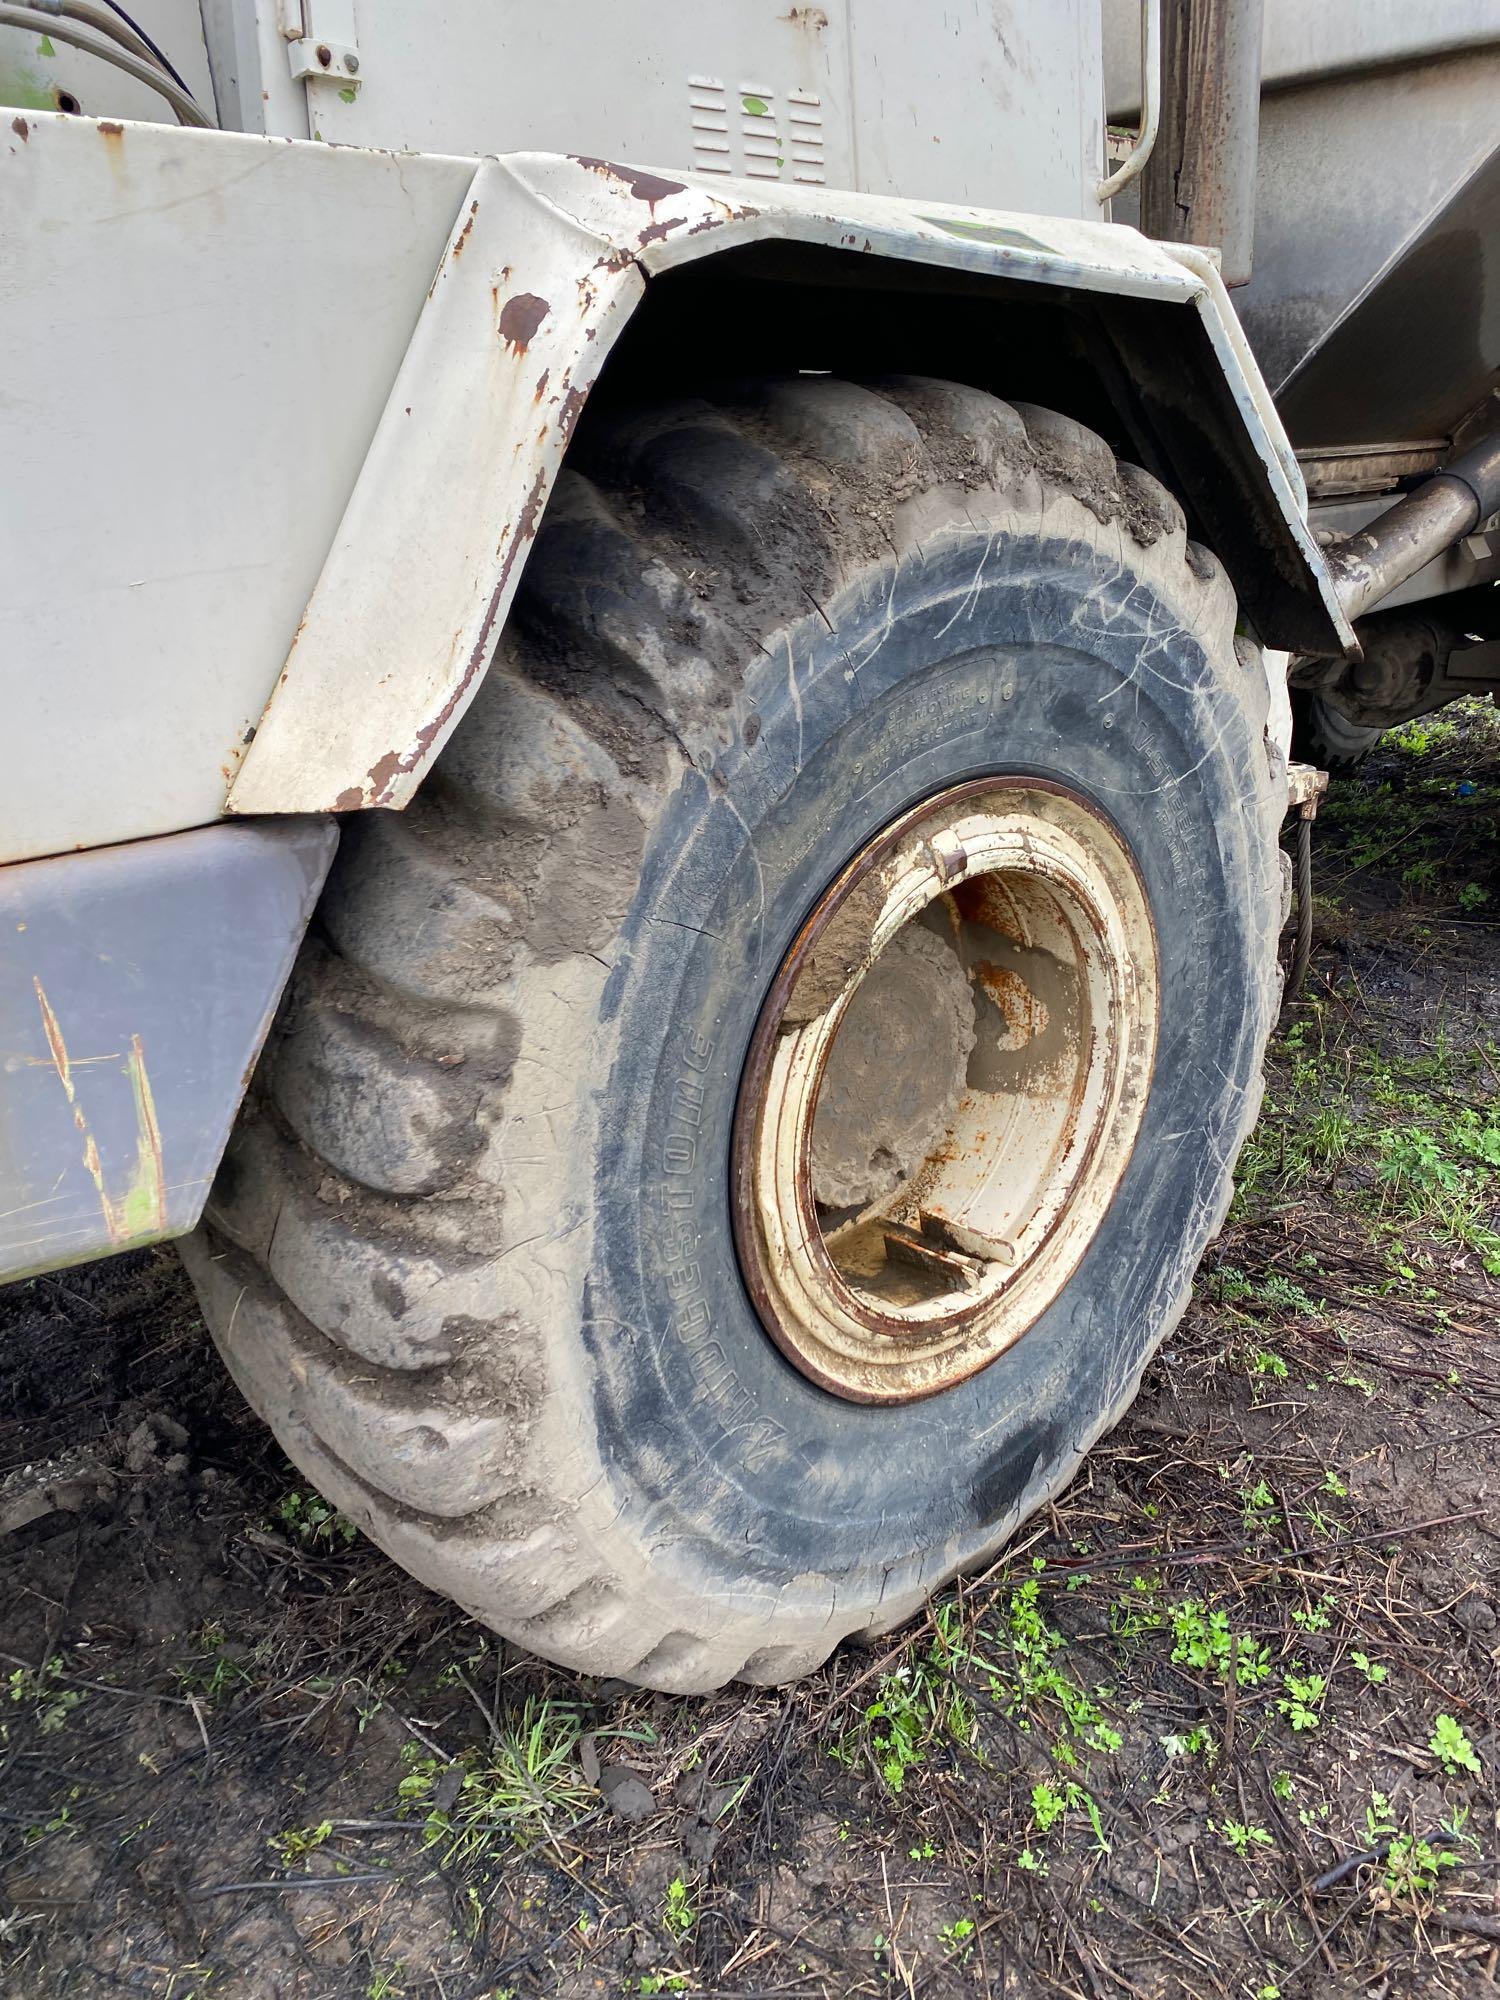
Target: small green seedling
678,1913
1242,1837
1304,1693
1452,1747
954,1937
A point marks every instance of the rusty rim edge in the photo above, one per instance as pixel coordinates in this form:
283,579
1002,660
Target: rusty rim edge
756,1068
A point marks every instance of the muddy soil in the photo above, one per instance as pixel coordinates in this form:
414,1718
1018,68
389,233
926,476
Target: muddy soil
1223,1722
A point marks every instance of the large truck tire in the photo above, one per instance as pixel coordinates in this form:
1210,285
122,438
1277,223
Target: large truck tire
1323,735
734,1143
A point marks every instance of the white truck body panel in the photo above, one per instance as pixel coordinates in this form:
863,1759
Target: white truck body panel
973,102
263,563
168,513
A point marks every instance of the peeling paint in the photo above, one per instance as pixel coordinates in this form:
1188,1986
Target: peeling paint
646,187
463,234
520,318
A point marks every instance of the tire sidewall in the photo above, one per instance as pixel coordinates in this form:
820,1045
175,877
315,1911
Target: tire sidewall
1039,656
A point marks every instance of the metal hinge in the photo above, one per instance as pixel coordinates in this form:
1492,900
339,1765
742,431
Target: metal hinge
322,41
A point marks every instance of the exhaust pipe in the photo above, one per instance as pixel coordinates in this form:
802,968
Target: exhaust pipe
1370,565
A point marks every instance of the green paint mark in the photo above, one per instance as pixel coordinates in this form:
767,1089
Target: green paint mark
756,106
987,232
44,47
348,93
141,1211
23,90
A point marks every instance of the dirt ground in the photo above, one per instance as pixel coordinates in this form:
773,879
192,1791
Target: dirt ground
1223,1722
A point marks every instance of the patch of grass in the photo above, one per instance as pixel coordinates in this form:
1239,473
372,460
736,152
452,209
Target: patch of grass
216,1671
526,1784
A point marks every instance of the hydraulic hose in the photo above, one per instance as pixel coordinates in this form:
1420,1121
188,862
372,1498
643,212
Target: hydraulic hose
110,48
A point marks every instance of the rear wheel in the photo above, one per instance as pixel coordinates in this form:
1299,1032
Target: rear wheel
1325,736
738,1138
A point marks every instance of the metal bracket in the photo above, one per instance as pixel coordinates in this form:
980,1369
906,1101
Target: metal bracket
330,61
322,42
1305,785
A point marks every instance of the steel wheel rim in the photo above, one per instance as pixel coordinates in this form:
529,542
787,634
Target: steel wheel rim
991,1225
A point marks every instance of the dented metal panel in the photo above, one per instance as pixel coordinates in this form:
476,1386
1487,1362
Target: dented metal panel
549,258
137,984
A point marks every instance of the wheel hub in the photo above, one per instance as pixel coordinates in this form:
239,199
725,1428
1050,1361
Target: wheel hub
944,1088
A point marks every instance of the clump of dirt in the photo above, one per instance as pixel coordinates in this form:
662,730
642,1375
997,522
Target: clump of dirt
1222,1722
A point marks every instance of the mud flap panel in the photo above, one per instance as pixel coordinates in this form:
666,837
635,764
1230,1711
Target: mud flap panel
137,984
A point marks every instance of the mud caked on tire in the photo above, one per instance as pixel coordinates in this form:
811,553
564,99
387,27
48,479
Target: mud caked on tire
473,1252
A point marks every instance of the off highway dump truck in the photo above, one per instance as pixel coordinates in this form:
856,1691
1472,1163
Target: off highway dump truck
654,657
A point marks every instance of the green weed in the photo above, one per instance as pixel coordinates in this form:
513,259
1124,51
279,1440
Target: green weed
526,1783
1204,1639
50,1704
1302,1700
678,1913
310,1520
1452,1748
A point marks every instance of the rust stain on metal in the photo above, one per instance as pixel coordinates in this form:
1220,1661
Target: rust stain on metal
646,187
567,416
541,387
463,235
654,232
1025,1014
111,128
21,129
384,773
150,1132
55,1043
520,318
